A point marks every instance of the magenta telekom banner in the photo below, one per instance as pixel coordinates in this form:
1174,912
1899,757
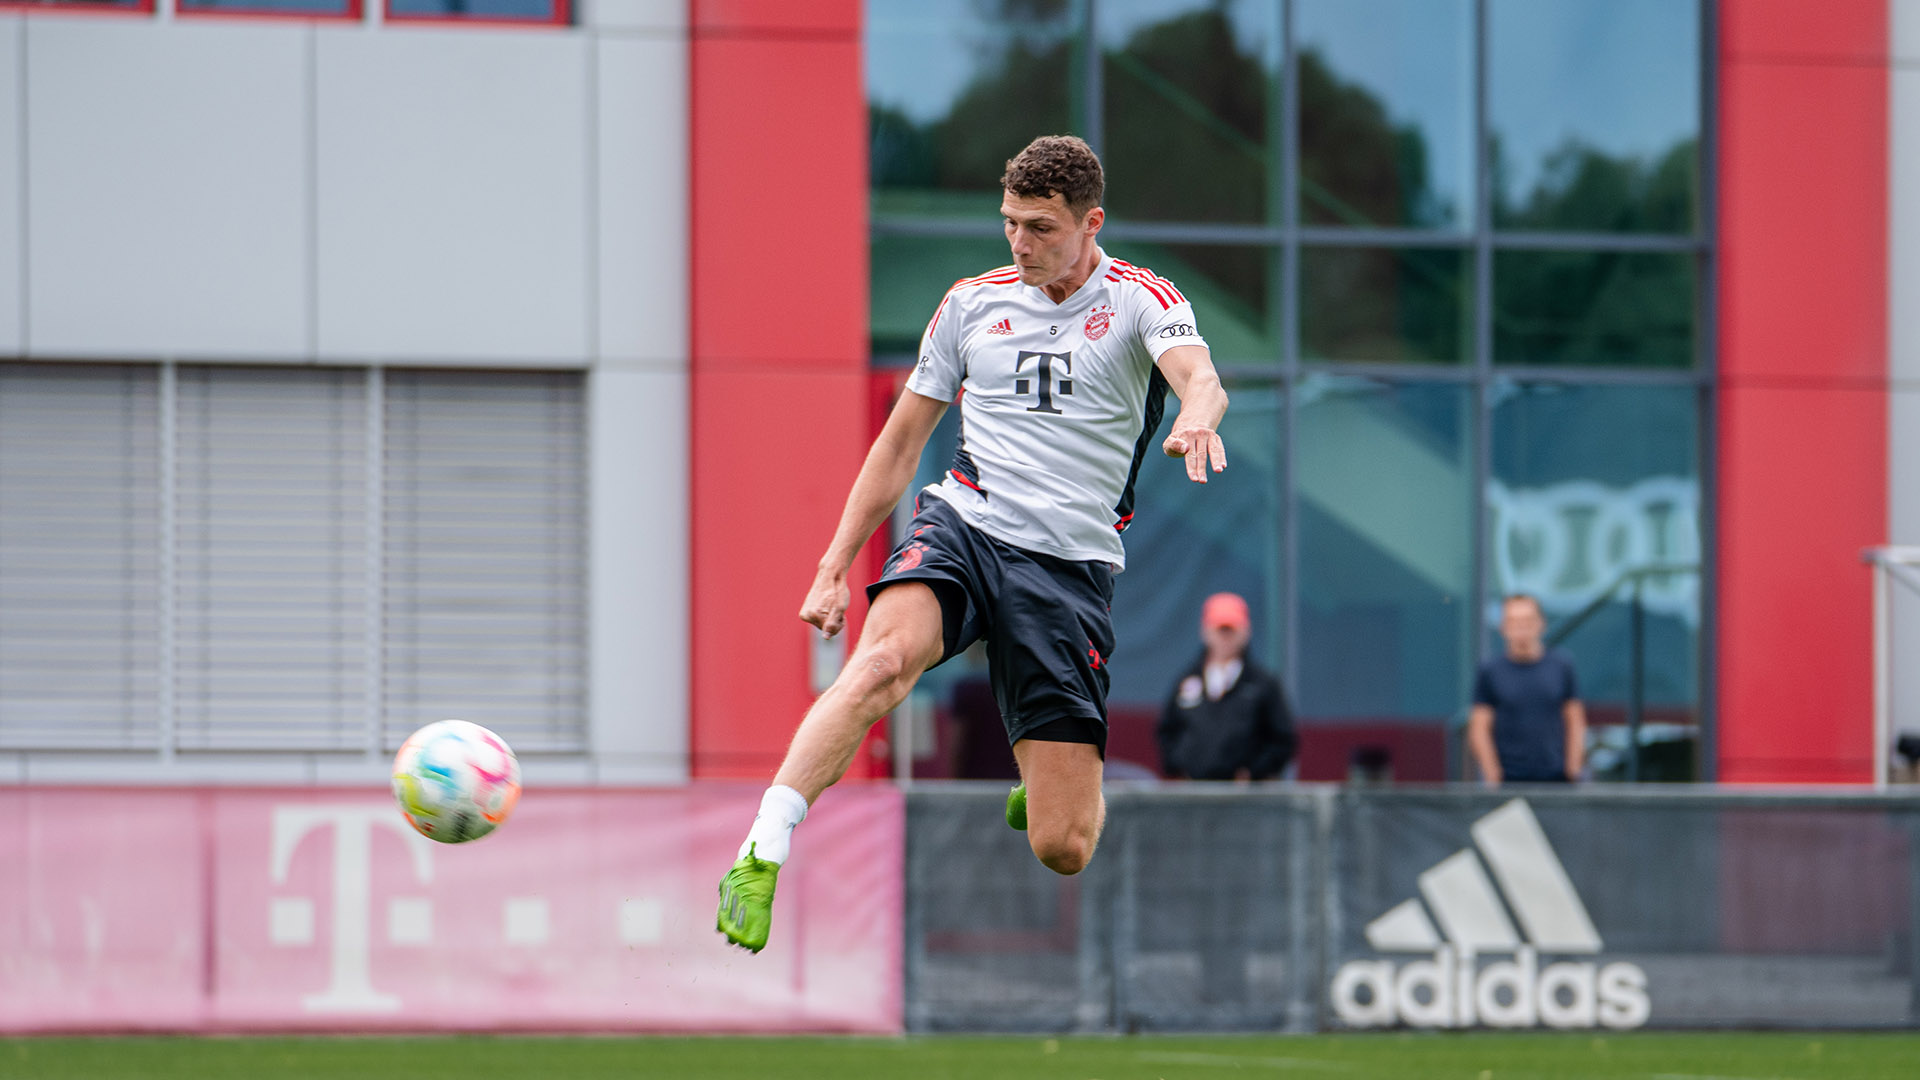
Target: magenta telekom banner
239,910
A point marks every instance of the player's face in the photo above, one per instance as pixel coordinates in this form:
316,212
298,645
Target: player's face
1047,240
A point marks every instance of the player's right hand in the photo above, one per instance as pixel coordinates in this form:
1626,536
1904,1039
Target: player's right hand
826,603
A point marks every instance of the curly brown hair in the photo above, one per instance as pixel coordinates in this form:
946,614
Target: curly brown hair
1057,164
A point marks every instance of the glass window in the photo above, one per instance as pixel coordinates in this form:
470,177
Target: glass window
1232,291
1591,483
347,9
81,5
270,541
80,528
954,89
1382,304
1190,120
485,588
1386,112
1190,540
550,11
1595,114
911,273
1630,309
1385,498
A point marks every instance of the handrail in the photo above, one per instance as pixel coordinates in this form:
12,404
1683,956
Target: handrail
1636,648
1636,574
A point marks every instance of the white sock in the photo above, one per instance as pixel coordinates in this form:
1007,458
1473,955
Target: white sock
771,837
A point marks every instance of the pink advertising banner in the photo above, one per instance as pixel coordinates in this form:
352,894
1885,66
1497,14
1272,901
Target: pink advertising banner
319,909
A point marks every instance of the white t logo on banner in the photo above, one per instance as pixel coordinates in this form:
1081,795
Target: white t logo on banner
350,988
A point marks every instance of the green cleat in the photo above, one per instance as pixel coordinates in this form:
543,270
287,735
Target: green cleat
746,902
1017,807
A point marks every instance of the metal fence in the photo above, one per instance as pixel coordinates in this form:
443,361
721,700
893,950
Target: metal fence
1313,908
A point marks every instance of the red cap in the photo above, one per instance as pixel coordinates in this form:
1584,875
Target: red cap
1225,609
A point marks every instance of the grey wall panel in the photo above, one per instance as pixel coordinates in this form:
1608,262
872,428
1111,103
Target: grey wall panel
642,233
12,161
637,574
453,195
167,166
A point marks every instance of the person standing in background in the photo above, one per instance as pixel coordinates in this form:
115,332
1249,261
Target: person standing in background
1527,725
1227,718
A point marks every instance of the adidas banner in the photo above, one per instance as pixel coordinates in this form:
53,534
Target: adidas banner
1216,907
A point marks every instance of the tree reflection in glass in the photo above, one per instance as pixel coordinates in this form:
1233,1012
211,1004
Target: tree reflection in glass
1595,114
955,88
1386,112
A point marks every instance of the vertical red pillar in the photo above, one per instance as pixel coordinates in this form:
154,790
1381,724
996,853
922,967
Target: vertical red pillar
779,362
1803,383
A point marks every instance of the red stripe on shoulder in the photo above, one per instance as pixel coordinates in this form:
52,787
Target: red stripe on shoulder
1152,290
1149,277
1006,275
1000,276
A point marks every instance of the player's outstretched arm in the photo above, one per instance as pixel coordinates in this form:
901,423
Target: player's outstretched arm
1203,401
876,491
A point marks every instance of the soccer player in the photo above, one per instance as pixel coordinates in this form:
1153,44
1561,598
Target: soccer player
1065,358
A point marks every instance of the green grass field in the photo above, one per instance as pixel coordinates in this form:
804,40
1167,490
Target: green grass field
1736,1056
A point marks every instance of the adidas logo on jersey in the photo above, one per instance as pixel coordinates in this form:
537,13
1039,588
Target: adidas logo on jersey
1004,326
1451,989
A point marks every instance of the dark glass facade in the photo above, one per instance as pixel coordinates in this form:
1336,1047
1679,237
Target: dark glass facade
1451,256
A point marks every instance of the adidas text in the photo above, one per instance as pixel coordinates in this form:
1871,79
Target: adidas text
1452,990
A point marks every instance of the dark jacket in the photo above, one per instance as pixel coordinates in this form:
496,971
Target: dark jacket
1248,728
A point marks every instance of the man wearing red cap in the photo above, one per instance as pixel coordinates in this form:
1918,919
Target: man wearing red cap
1227,718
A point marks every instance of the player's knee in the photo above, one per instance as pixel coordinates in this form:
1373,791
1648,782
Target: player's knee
1065,852
879,674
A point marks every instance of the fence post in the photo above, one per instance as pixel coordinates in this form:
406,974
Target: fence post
1882,675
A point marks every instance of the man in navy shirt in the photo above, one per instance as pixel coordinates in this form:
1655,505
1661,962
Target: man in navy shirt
1527,725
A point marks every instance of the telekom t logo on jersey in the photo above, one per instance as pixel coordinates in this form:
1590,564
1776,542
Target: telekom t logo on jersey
1043,371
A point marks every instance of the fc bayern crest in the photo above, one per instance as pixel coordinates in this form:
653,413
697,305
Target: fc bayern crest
1098,321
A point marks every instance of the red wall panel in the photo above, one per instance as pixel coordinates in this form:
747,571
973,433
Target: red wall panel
777,17
779,364
1802,437
1802,490
1831,29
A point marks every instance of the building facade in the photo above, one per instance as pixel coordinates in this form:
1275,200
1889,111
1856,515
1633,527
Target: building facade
365,367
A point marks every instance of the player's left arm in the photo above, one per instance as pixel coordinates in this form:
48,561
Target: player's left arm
1203,402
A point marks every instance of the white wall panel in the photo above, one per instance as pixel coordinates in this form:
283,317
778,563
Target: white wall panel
453,195
1905,31
12,286
1903,309
642,235
659,16
637,575
167,166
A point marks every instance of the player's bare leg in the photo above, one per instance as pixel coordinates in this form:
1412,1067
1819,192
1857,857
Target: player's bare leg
1065,809
903,637
901,640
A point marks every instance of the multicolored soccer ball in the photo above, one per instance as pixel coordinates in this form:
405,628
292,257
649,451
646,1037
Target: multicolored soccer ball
455,781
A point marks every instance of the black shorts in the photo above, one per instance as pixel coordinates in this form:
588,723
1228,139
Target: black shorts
1047,622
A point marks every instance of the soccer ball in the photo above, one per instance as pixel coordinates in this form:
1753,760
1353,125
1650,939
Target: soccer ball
455,781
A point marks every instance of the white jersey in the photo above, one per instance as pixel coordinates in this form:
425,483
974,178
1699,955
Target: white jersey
1062,401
